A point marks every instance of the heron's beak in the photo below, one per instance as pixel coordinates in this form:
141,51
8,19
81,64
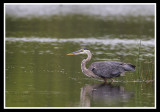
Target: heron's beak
74,53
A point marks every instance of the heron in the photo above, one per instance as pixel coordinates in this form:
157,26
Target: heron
103,69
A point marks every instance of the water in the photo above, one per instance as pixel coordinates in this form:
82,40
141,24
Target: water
38,73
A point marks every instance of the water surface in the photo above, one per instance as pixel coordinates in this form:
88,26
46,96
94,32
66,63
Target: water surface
39,73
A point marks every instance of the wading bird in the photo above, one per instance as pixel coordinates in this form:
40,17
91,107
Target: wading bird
103,69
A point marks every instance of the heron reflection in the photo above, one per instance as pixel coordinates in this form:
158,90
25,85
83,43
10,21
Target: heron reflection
106,94
103,69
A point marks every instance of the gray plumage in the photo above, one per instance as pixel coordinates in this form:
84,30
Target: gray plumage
110,69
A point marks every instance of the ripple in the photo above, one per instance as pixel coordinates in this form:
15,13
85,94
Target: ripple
105,41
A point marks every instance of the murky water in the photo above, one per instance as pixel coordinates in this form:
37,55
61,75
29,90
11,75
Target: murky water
38,73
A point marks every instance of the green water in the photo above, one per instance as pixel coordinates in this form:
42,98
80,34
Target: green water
38,73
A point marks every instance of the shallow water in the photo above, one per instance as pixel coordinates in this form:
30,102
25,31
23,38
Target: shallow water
38,73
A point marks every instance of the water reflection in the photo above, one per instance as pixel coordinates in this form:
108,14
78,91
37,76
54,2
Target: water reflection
106,94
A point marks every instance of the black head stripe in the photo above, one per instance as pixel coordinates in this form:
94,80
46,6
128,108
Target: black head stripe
85,49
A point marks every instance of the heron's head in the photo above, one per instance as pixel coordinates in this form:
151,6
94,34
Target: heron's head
81,51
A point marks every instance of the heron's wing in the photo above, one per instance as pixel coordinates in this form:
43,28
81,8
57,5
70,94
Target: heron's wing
107,68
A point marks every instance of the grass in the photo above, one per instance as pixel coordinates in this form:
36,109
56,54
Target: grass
144,74
138,62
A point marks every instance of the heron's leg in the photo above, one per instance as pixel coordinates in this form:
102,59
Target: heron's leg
105,80
111,80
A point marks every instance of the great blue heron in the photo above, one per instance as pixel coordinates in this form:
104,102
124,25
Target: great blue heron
103,69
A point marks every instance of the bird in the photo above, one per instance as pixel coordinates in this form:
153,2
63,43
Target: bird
103,69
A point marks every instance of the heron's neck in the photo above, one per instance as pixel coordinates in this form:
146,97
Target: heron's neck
83,66
88,58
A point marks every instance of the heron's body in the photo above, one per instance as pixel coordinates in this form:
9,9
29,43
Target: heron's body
110,69
103,69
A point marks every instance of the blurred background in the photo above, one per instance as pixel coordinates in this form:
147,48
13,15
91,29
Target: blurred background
39,73
73,21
